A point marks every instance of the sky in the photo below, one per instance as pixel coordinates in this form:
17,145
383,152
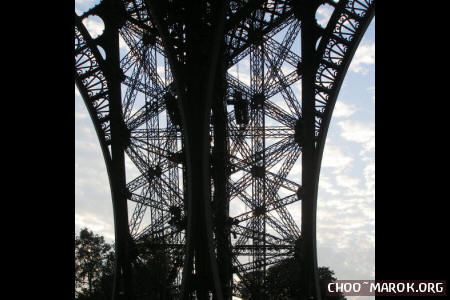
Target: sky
346,198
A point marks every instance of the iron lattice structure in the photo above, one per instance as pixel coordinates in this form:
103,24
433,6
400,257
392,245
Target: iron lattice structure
214,148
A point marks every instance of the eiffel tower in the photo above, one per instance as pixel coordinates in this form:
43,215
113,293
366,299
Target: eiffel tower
202,97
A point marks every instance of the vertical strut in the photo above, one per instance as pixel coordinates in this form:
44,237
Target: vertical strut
220,177
122,288
194,72
309,284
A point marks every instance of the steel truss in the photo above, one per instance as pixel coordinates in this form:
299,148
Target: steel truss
214,152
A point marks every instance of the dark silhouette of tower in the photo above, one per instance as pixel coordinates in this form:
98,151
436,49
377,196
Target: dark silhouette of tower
214,147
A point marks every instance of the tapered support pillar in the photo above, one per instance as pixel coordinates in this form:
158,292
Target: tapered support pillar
220,177
109,10
194,75
310,284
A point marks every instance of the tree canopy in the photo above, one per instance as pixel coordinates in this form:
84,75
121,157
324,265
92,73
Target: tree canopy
282,282
153,270
94,266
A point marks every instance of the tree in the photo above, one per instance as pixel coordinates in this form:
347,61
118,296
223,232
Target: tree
94,260
153,269
248,287
282,281
325,274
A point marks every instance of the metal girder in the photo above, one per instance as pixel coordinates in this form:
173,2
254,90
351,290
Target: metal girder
91,82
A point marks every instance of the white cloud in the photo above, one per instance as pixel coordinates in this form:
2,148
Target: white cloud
281,103
364,57
323,14
346,215
369,175
359,132
237,207
345,231
350,186
94,25
327,186
80,116
93,205
342,110
94,223
347,181
297,89
123,45
161,70
296,171
86,4
372,90
241,70
334,157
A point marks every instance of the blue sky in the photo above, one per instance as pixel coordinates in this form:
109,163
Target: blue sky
346,200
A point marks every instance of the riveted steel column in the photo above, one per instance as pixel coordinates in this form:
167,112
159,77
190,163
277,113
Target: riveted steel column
195,76
220,175
310,287
197,148
122,288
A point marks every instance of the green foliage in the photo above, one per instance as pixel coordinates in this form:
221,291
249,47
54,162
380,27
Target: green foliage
283,282
325,274
94,266
248,289
152,275
153,270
